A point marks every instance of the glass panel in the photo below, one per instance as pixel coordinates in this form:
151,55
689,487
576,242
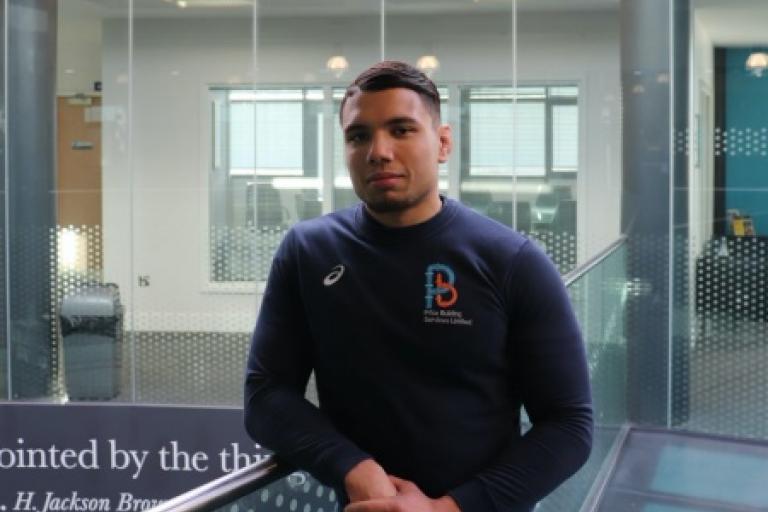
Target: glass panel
92,280
266,190
600,301
522,142
720,269
573,208
198,158
340,41
296,492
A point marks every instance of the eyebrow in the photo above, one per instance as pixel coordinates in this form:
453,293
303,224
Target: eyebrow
401,120
389,122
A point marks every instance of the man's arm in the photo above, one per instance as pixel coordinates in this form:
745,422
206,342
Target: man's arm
276,413
550,369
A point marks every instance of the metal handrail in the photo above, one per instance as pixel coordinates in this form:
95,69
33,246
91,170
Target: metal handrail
607,468
577,273
225,489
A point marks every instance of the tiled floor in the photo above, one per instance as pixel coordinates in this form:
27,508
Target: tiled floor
662,471
569,496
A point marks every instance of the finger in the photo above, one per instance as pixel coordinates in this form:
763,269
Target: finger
402,485
378,505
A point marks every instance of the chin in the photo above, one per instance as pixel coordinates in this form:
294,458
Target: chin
383,205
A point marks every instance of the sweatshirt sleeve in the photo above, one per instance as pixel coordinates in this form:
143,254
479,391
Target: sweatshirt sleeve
277,415
550,369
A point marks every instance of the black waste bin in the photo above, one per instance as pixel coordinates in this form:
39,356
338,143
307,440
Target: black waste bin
91,329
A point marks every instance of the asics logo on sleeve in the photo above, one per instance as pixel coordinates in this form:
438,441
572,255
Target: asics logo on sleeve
334,276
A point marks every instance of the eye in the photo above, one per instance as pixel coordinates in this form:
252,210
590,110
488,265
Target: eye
355,137
401,131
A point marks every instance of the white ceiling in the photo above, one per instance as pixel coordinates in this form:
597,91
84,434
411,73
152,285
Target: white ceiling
733,22
285,8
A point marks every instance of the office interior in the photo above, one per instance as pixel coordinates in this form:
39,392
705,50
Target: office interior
157,152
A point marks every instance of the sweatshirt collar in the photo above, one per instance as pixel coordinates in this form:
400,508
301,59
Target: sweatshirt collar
375,230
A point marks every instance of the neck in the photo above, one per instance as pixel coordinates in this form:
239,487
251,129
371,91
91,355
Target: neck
417,214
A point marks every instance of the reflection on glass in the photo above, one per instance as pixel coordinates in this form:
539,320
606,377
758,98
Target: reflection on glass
521,160
265,174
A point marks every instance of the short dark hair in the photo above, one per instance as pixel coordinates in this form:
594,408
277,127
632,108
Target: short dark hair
393,74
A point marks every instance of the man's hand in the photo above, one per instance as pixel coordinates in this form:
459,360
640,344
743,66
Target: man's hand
409,499
368,481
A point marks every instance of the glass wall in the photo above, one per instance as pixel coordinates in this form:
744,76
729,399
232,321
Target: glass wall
93,239
721,268
567,181
190,136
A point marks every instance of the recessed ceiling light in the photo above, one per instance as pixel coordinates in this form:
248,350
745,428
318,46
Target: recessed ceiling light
757,63
428,64
337,64
182,4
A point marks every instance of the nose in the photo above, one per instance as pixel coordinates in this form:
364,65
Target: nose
380,150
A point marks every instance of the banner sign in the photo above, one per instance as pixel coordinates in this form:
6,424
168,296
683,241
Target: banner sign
115,458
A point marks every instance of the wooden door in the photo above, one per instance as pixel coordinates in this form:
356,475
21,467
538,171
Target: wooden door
79,173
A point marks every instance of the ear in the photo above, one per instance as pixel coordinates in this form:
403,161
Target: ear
445,136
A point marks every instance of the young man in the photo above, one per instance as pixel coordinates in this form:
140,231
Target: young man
427,326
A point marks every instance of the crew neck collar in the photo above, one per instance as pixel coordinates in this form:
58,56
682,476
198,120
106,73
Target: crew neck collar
373,229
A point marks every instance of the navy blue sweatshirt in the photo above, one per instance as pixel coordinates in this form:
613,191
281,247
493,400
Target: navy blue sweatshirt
425,341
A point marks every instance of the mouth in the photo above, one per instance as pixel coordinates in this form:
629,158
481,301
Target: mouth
384,179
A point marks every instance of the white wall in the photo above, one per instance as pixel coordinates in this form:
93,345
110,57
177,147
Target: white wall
78,49
155,198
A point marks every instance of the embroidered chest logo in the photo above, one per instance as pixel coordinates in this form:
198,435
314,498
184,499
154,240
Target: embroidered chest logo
441,294
334,276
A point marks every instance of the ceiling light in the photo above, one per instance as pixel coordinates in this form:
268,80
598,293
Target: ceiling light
757,63
337,65
182,4
428,64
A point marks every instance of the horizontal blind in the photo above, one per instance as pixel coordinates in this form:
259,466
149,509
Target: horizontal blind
276,130
565,138
502,145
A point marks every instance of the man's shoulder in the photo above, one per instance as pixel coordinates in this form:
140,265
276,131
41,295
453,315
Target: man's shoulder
477,230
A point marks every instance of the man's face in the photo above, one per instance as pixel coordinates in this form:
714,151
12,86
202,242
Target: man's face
393,148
